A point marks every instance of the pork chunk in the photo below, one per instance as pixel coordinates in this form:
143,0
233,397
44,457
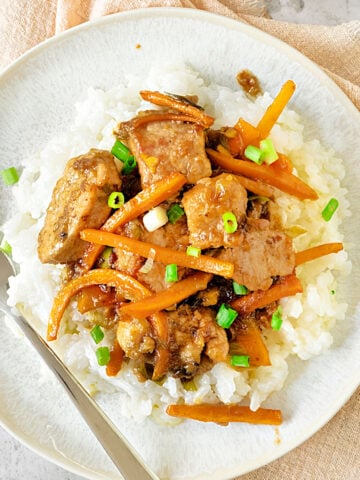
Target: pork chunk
204,206
263,254
79,201
165,147
194,332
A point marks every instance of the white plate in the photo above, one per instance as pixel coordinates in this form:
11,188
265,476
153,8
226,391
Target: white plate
37,94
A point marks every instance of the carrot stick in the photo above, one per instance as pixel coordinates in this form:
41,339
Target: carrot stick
160,325
166,298
130,287
116,359
225,413
290,285
274,110
162,254
281,179
316,252
249,342
141,203
94,297
255,186
163,100
249,134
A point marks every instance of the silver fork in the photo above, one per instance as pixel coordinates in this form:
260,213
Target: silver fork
111,439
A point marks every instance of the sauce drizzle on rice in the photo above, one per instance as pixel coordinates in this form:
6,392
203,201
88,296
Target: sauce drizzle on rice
172,328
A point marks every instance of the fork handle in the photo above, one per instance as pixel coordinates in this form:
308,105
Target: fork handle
111,439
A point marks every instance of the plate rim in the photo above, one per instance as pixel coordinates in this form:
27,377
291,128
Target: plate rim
263,37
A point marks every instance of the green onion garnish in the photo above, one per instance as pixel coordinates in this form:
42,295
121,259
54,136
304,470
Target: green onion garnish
10,176
129,165
269,154
193,251
254,154
174,213
171,273
240,289
330,209
116,199
276,319
120,151
226,316
5,247
105,258
97,334
240,361
230,222
103,355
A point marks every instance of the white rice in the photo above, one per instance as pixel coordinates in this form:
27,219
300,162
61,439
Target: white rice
307,318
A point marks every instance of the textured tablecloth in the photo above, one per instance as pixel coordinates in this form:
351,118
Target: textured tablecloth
334,452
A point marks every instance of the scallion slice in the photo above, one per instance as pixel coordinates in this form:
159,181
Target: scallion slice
103,355
193,251
129,165
97,334
5,247
10,176
171,273
240,289
116,200
330,209
276,319
269,154
254,154
226,316
230,222
240,360
120,151
174,213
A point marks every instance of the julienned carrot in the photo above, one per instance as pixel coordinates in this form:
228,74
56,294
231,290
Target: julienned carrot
160,325
255,186
166,298
290,285
225,413
162,254
250,135
282,180
276,107
249,341
142,202
127,285
116,359
316,252
93,297
161,117
163,100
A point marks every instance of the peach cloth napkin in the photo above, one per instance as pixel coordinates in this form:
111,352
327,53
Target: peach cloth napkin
333,453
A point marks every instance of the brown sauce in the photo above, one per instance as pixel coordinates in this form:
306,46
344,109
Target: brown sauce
249,83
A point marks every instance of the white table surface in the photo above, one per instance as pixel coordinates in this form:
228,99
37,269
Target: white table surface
17,461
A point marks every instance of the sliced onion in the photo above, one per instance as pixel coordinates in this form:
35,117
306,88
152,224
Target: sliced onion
149,262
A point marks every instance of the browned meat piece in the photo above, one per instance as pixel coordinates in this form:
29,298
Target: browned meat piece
263,254
79,201
134,337
164,147
128,262
204,206
194,332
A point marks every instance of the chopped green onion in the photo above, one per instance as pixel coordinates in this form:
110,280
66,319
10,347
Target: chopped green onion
129,165
254,154
97,334
120,151
226,316
240,361
269,154
105,258
10,176
174,213
332,292
193,251
240,289
276,319
5,247
330,209
171,273
230,222
116,199
103,355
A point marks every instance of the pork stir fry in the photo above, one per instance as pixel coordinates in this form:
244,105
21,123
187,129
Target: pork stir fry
180,253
